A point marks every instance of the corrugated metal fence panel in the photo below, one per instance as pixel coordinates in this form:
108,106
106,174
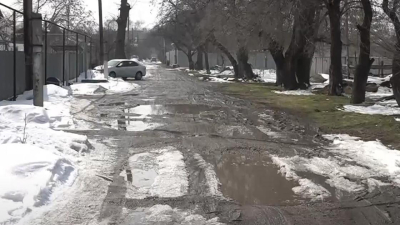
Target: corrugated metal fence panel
7,73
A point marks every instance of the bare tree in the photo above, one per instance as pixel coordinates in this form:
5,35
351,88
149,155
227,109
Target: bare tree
121,34
392,13
364,63
335,71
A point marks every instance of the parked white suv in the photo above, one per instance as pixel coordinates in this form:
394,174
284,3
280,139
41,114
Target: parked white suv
126,68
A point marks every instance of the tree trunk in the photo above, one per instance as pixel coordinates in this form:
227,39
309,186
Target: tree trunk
335,70
364,63
224,50
289,72
303,70
244,68
395,80
122,21
190,59
206,59
276,51
199,62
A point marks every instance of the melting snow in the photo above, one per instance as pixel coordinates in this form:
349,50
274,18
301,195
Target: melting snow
36,161
356,165
268,76
165,214
295,92
30,175
211,177
114,85
167,172
373,110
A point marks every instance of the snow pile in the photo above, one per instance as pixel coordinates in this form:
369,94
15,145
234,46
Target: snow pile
211,177
114,85
379,80
159,173
355,166
373,110
165,214
213,72
35,159
294,92
30,176
311,190
268,76
382,92
56,103
219,80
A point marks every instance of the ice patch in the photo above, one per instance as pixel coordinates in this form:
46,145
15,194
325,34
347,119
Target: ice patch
159,173
295,92
211,177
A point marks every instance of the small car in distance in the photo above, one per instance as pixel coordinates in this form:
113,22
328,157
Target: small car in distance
126,68
153,59
135,58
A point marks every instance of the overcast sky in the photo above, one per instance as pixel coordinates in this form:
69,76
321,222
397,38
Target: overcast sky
143,10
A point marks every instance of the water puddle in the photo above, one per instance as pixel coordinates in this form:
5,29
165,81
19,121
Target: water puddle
113,104
171,109
253,180
127,125
139,177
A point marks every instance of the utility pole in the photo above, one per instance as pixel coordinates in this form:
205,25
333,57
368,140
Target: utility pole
347,40
28,44
102,54
101,32
68,13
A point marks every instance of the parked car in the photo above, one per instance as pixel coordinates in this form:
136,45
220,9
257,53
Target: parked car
153,59
126,68
135,58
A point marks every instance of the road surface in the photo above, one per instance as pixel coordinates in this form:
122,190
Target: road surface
179,151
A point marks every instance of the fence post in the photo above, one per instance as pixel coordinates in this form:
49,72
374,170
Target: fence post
90,53
77,58
45,52
37,45
63,49
382,65
27,44
85,66
15,55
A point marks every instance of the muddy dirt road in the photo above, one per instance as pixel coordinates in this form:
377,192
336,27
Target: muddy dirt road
178,151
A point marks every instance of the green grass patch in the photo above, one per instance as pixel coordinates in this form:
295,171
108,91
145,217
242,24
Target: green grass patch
322,111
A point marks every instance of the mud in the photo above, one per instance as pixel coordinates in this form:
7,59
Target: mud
234,137
254,180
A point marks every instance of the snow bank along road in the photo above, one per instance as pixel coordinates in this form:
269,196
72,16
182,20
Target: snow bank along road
177,151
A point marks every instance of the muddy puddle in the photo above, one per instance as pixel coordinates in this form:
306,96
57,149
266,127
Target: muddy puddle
253,180
171,109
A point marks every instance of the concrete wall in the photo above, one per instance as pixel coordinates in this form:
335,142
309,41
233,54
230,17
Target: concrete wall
54,69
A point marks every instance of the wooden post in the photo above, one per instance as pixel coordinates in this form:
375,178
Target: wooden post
382,66
37,69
